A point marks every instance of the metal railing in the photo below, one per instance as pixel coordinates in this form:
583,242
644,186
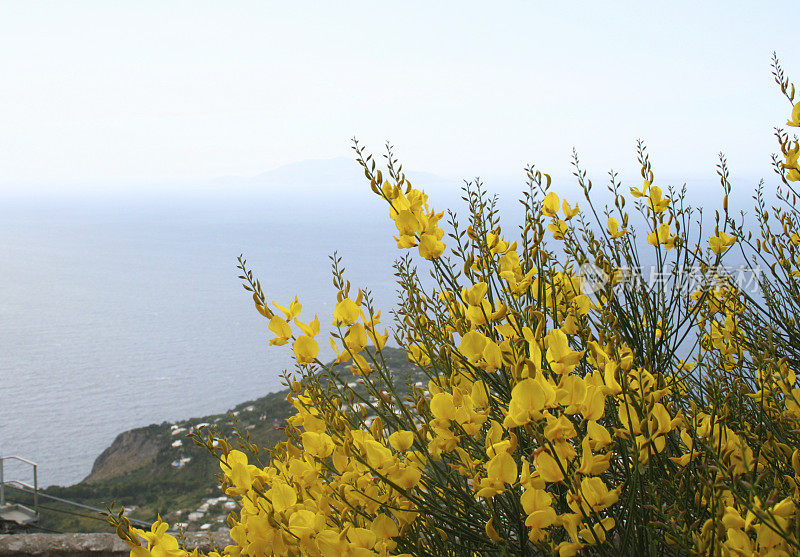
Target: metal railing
34,487
34,490
29,489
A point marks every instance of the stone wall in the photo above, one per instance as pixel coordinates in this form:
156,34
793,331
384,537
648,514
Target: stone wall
90,545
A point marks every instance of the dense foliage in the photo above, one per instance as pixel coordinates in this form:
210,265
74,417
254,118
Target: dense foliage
572,406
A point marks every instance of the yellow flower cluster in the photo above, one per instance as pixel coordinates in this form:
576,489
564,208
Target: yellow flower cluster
416,222
159,542
326,493
305,347
357,335
555,420
550,208
791,151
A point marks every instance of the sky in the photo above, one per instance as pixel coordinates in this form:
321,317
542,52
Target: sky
124,94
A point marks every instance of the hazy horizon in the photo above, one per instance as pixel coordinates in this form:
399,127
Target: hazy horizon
305,177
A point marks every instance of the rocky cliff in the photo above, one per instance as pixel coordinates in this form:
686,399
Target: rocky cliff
130,450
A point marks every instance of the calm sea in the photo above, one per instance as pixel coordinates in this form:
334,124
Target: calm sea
117,313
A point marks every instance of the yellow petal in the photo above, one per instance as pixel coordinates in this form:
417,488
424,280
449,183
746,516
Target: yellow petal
475,294
535,500
407,223
479,395
356,337
502,468
430,247
305,349
281,329
472,345
282,496
401,440
346,312
547,466
319,445
442,406
384,527
493,356
550,204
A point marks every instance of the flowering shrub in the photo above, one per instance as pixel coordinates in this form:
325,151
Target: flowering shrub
571,407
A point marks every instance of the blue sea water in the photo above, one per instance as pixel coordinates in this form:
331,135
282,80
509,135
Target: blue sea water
118,312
